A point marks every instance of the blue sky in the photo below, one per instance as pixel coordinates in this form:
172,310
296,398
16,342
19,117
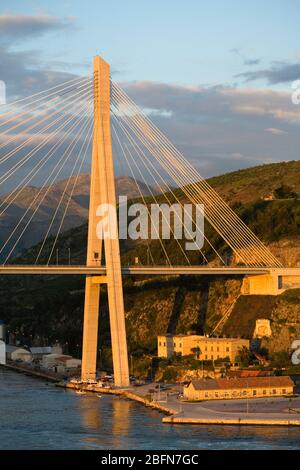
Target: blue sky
221,69
191,42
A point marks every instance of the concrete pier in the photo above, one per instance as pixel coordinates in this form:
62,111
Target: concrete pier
180,412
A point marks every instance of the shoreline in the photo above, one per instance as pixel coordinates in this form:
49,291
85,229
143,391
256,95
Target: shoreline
174,414
31,373
123,393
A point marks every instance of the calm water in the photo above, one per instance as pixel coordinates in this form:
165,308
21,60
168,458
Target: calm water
34,415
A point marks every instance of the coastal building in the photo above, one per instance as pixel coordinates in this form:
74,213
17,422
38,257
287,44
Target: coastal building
235,388
2,331
60,361
248,373
15,353
39,352
206,349
262,328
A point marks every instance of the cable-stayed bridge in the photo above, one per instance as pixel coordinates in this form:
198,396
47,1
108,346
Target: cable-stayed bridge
53,133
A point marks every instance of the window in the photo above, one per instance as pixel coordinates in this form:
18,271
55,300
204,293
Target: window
212,348
264,392
284,391
254,392
212,357
180,345
174,345
245,393
206,394
274,391
205,356
164,344
159,343
218,349
227,349
216,394
205,348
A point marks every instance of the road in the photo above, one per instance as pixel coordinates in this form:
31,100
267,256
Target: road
142,270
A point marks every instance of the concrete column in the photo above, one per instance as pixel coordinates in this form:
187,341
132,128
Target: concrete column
103,192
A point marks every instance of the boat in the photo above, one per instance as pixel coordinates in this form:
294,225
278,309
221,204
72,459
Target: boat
99,396
80,392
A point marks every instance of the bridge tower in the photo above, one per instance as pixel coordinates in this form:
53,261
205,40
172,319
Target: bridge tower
102,191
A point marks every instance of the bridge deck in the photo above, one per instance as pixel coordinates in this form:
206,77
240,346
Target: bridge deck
143,270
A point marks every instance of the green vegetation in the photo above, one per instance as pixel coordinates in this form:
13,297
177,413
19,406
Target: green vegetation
245,357
46,309
280,360
285,192
292,296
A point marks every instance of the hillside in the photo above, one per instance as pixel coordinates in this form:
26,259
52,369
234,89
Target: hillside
49,309
75,216
240,187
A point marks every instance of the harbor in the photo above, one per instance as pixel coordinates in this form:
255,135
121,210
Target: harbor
167,400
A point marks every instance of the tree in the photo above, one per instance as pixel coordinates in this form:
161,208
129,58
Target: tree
285,192
244,357
280,359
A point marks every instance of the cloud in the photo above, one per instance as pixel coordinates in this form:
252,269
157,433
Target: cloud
246,61
275,131
201,104
23,71
252,61
15,28
222,128
278,73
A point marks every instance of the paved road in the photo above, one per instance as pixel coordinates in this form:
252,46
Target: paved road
144,270
258,409
237,409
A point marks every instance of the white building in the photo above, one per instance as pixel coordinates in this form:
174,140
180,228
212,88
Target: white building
39,352
57,360
15,353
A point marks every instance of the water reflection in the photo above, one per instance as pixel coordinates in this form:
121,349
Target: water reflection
121,413
36,416
91,412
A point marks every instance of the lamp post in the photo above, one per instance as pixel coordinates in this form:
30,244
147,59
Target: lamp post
100,358
247,400
131,365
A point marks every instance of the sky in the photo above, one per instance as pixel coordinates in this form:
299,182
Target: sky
217,75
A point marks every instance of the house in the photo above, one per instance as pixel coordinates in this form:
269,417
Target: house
60,361
206,349
235,388
15,353
39,352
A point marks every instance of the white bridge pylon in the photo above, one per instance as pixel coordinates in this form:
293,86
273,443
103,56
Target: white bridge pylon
103,191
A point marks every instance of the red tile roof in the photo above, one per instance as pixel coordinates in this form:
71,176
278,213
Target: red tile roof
242,383
250,373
